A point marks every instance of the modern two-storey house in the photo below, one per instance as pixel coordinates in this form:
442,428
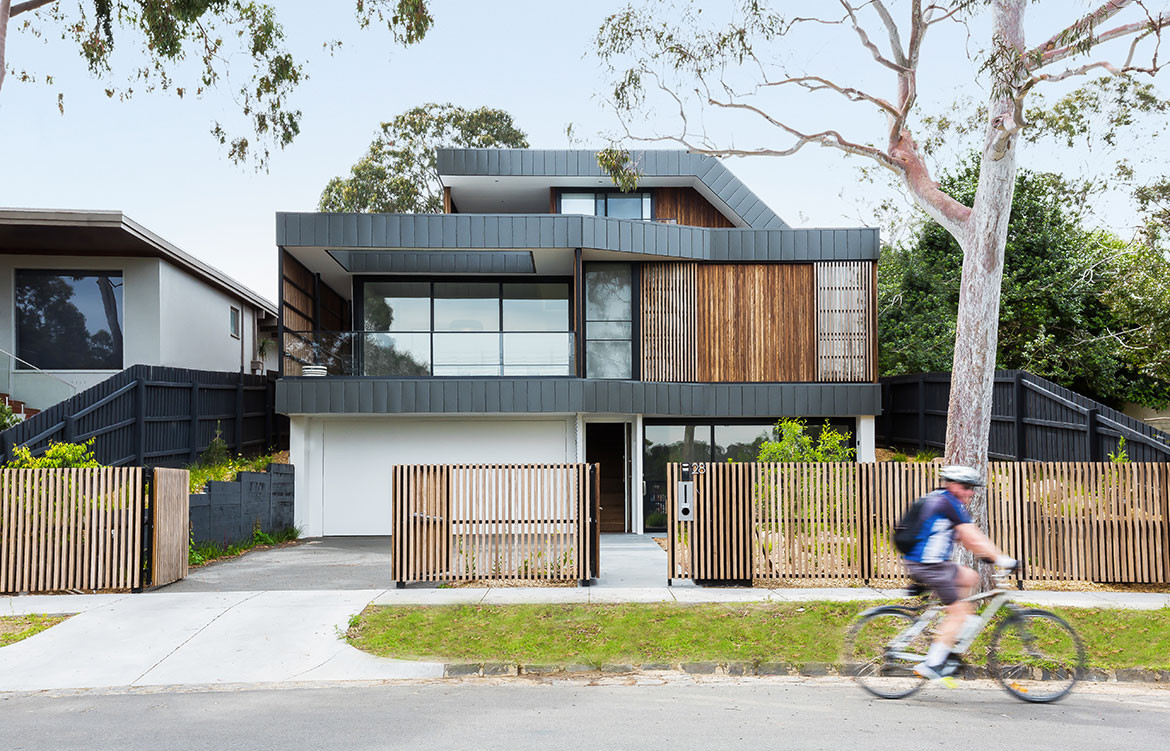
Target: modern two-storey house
547,317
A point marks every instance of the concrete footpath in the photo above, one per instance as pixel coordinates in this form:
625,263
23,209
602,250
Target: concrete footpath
197,638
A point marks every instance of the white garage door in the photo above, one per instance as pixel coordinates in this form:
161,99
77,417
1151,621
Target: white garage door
358,455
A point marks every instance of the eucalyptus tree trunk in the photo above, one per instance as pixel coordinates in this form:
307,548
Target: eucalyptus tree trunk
983,240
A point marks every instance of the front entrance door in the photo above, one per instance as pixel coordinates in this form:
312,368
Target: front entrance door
606,444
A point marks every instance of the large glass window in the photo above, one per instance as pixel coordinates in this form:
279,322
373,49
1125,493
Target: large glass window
69,321
608,320
636,205
467,328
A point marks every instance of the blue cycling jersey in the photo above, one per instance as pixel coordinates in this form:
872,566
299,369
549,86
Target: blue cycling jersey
936,530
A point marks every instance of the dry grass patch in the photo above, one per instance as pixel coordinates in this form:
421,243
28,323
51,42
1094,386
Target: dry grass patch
14,628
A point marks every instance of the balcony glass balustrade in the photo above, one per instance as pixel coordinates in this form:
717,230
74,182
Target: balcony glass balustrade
407,354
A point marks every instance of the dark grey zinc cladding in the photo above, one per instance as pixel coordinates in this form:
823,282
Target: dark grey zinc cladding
442,261
375,232
567,395
583,163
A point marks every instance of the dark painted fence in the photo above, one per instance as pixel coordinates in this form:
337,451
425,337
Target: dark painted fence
156,416
1033,419
228,511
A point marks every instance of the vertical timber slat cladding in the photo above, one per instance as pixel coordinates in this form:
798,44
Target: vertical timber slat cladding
756,323
306,304
845,321
688,207
669,322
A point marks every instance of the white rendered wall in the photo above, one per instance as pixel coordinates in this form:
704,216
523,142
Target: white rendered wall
196,330
343,464
140,325
866,444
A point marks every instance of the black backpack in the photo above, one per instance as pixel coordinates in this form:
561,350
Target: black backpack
906,530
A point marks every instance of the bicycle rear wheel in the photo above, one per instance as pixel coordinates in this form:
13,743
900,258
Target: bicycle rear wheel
867,658
1036,656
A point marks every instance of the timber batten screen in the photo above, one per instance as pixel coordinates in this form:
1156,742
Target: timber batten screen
669,322
473,522
846,324
1064,521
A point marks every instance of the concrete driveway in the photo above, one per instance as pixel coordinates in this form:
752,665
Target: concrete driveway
323,563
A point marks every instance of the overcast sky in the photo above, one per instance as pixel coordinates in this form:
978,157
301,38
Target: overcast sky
152,157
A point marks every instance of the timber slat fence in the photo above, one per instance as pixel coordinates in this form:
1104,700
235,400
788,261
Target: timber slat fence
469,522
1064,521
88,530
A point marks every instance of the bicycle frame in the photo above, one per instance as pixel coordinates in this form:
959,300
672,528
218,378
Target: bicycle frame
996,598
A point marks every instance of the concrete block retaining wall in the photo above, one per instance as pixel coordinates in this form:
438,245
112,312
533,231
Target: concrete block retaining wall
227,511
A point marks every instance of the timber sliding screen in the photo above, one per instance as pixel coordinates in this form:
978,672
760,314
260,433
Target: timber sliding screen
754,323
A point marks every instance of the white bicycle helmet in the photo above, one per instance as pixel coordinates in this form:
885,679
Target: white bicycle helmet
959,473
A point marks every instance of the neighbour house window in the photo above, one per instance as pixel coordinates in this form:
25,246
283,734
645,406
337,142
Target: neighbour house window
234,322
69,320
636,205
466,328
609,320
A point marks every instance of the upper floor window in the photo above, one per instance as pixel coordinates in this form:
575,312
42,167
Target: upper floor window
69,320
636,205
234,322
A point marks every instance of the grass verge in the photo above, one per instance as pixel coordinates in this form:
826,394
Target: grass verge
14,628
199,554
794,633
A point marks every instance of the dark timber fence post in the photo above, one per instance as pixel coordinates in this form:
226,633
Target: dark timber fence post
921,412
70,428
1019,395
140,421
193,451
240,412
269,409
1091,429
147,527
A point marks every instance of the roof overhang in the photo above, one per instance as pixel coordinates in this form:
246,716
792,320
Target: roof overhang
107,234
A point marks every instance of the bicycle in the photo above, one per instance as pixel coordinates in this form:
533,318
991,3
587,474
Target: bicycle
1034,654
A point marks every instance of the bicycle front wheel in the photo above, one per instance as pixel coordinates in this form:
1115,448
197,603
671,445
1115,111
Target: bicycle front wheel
870,657
1036,656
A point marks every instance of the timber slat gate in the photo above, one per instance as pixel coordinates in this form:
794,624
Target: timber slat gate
1064,521
470,522
155,416
91,530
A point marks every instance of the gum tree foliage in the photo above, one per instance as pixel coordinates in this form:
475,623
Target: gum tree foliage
398,174
189,47
1068,308
664,53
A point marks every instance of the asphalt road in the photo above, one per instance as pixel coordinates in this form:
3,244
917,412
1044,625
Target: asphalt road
562,716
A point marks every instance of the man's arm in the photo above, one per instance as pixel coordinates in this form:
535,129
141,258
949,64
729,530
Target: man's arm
973,539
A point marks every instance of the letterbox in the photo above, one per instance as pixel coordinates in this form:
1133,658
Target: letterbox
686,495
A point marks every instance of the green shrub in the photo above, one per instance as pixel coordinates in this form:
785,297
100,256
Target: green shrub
898,456
656,520
226,470
216,452
58,455
206,552
926,456
793,444
8,418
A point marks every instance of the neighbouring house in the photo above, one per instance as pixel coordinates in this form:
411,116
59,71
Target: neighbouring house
547,317
89,293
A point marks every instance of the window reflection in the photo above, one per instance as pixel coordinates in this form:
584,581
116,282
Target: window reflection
467,306
69,321
608,320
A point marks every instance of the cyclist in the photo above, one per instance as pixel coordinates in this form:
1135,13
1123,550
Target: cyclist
944,517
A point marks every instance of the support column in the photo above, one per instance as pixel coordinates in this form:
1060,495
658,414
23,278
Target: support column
866,443
637,492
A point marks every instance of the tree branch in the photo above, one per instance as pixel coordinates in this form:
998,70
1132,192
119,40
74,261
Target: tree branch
892,30
850,93
28,5
865,41
1086,23
4,15
1143,28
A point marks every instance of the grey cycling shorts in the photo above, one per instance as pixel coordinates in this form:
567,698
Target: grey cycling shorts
942,577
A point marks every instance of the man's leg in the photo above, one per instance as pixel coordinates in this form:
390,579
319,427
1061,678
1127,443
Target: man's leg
948,631
957,612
